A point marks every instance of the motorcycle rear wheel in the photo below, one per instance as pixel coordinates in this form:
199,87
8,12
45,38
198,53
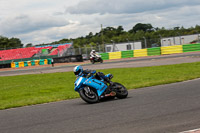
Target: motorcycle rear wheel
89,95
92,61
121,91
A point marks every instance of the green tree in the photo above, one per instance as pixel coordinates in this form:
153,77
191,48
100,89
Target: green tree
29,45
141,27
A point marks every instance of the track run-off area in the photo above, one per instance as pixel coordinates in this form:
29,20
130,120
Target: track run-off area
170,108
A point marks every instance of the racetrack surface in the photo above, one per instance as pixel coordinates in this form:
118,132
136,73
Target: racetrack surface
168,108
119,63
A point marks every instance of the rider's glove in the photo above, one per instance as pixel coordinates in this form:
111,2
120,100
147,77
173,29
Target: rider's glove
89,74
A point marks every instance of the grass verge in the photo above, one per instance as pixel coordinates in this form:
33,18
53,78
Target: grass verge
16,91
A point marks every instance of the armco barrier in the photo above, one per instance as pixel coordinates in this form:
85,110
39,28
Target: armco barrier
140,52
153,51
127,54
172,49
115,55
105,56
191,47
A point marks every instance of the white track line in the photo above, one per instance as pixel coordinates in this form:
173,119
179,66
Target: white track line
192,131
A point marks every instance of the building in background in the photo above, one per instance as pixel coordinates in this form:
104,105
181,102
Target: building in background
123,46
180,40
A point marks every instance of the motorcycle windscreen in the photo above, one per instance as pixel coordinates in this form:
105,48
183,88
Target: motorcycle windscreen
98,85
78,83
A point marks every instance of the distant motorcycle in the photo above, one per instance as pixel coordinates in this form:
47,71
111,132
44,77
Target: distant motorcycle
97,58
92,90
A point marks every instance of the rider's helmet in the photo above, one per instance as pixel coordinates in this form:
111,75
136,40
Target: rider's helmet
93,51
78,70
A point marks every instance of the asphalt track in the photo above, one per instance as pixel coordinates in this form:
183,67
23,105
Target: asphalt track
168,108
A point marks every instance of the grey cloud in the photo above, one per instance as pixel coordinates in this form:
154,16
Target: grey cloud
126,6
24,24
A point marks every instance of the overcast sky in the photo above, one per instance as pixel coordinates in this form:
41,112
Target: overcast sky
45,21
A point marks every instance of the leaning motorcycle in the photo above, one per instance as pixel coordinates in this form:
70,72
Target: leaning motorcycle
92,90
97,58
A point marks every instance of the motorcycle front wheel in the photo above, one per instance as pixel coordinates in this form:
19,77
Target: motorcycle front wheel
121,91
101,61
89,95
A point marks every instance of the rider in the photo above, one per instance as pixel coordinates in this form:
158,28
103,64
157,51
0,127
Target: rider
93,53
78,71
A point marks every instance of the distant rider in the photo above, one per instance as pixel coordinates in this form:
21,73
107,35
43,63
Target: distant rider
78,71
93,54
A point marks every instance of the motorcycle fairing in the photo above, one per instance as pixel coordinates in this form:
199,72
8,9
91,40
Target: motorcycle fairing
98,85
79,81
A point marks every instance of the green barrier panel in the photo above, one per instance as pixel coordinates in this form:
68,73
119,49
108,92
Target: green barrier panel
49,60
104,56
25,63
33,62
153,51
16,64
191,47
127,54
41,62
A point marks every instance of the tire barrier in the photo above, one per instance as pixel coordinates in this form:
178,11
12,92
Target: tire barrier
172,49
151,51
21,64
127,54
13,65
30,63
105,56
191,47
140,52
115,55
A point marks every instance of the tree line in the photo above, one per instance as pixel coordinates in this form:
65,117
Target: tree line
114,35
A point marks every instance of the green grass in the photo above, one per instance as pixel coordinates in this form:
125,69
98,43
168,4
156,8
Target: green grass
16,91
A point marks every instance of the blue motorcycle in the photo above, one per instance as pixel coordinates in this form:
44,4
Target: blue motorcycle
92,90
